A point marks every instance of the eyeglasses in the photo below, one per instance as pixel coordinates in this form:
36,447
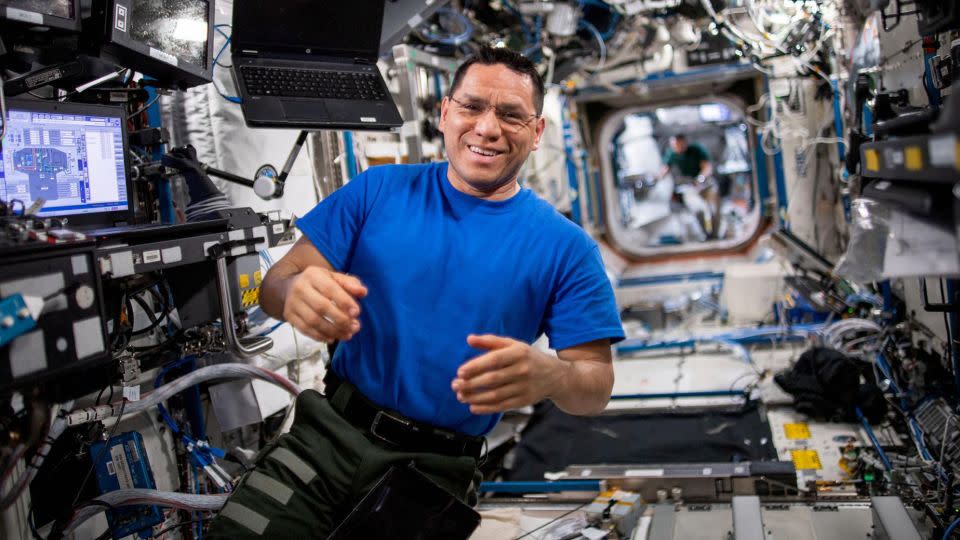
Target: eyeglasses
510,120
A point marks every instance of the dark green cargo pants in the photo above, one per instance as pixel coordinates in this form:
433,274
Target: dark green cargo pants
307,481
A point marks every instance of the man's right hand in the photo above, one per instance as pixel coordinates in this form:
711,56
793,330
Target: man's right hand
322,304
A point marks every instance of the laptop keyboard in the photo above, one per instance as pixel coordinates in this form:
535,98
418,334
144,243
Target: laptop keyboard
292,82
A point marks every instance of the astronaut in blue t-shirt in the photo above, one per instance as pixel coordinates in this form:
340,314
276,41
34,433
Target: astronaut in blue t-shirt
435,279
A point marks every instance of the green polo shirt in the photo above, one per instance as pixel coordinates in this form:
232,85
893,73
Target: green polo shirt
689,161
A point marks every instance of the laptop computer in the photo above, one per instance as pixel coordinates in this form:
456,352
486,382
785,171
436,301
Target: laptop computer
311,65
74,157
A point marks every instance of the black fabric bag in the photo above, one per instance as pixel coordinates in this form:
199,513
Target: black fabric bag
825,383
406,505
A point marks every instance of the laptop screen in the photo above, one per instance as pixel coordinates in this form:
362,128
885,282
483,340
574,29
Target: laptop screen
336,28
73,160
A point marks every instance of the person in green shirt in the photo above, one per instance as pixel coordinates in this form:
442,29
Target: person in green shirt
692,162
691,159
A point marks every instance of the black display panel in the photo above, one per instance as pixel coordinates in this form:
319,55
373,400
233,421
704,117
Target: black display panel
323,28
61,14
168,40
175,27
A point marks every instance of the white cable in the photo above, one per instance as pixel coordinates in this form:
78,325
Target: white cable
220,371
128,497
83,87
834,335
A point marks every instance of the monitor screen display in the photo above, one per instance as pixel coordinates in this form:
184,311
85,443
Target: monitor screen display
74,162
55,8
334,28
175,27
714,112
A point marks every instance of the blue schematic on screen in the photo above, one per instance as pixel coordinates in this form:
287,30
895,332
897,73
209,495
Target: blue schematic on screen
75,163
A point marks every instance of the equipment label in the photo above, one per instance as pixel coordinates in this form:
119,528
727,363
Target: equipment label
25,16
797,431
122,468
120,19
152,256
172,254
132,393
806,459
943,151
164,57
369,119
643,472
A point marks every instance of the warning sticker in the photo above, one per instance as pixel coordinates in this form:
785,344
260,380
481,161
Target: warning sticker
797,431
806,459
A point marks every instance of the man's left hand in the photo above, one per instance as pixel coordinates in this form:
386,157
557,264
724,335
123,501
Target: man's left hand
509,375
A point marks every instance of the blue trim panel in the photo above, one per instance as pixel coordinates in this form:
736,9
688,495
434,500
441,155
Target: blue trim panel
691,394
351,157
539,487
781,189
763,177
838,118
670,278
749,336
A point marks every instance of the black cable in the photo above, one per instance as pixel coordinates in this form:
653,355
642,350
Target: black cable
154,320
106,534
172,341
177,526
946,324
32,524
100,394
145,107
117,330
56,532
93,464
147,309
552,521
23,207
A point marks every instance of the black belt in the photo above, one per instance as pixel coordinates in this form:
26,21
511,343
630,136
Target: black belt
397,430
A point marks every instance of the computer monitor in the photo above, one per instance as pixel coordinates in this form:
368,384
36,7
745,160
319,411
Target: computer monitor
72,155
60,14
169,40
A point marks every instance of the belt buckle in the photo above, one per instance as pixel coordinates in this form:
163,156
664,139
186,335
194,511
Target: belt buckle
376,422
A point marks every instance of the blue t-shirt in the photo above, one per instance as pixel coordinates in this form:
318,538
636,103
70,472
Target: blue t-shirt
438,265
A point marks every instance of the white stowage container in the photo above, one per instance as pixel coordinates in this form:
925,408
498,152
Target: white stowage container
749,290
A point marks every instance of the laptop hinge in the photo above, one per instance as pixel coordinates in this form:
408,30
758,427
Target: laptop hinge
358,60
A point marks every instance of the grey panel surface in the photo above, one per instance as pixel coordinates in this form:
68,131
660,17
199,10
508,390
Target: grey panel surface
849,521
747,520
795,521
662,524
704,522
891,520
27,354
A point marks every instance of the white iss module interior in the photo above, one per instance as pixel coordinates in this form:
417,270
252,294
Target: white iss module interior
480,269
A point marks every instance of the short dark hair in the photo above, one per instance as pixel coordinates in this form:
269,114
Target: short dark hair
489,56
679,137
